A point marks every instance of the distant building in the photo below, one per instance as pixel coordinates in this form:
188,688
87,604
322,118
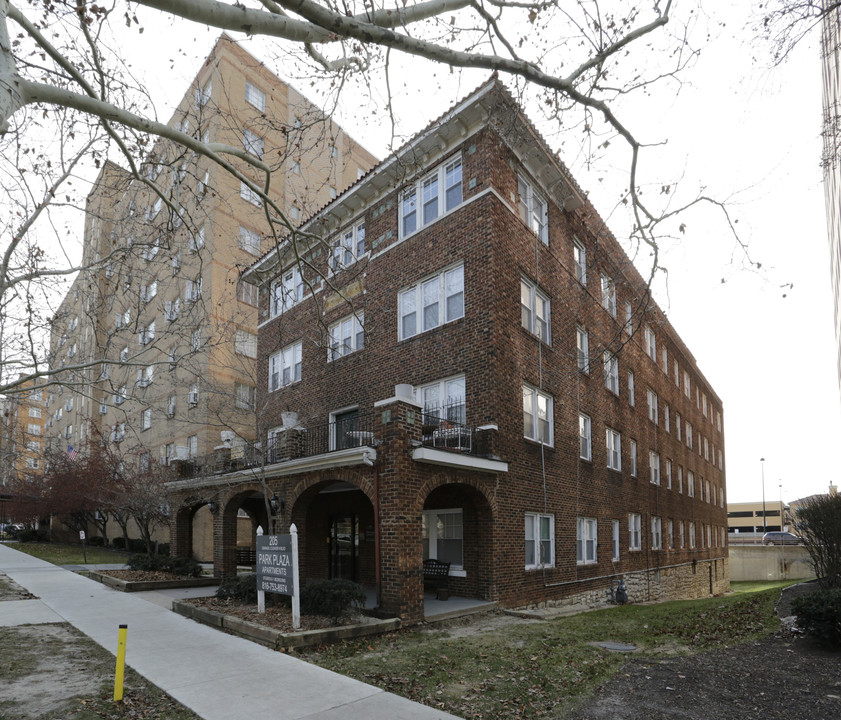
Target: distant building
749,521
488,384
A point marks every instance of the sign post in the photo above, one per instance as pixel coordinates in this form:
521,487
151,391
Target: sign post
277,570
84,551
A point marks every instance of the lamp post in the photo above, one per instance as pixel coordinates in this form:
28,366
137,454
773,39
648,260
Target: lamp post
764,523
782,538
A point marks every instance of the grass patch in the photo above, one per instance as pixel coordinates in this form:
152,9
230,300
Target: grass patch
751,587
538,669
63,554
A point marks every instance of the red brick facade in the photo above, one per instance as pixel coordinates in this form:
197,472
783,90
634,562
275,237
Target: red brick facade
488,345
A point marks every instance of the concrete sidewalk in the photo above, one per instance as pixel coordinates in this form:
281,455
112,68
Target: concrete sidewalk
218,676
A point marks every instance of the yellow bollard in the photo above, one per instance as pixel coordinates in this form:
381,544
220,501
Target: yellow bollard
121,664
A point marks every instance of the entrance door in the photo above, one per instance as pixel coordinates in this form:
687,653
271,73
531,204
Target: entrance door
343,548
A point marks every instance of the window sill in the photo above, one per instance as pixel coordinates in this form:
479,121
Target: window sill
537,443
539,567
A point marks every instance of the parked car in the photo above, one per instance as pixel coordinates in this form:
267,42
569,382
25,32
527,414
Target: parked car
781,538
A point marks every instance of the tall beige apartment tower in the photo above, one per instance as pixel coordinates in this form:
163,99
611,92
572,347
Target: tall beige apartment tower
157,340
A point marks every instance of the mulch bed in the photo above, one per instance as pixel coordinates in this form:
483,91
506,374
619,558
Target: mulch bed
142,575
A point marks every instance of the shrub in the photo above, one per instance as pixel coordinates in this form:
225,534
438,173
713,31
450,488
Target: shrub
334,598
819,614
30,535
241,587
96,541
149,563
184,566
119,543
819,524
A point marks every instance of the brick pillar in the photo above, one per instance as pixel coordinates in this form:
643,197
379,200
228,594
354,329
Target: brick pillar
225,540
397,422
181,531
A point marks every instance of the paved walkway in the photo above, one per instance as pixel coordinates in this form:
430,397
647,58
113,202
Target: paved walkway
218,676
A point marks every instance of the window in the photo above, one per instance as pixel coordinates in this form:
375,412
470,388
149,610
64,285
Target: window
704,405
193,395
583,349
245,396
688,435
579,260
192,290
615,525
195,340
540,541
203,184
252,143
706,449
534,310
585,440
249,240
148,292
248,293
443,536
665,354
634,456
533,209
708,493
681,533
537,415
668,474
652,406
424,201
692,535
680,479
690,483
255,96
443,400
346,336
252,196
193,446
35,412
145,376
586,540
120,395
670,534
171,309
196,241
203,94
287,292
677,426
147,334
245,343
168,453
677,374
634,531
629,318
439,299
146,419
33,429
686,386
656,533
650,343
611,373
170,406
614,449
295,211
654,467
632,399
285,366
609,295
32,463
348,247
176,263
667,419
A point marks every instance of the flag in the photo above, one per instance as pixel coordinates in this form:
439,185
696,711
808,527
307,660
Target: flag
72,453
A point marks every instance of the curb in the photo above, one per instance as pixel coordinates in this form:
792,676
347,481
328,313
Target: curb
277,639
139,586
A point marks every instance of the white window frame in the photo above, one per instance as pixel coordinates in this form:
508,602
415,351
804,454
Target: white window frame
616,540
535,523
348,247
248,294
431,291
245,343
656,533
668,474
611,372
582,340
579,260
443,396
285,366
255,96
687,385
146,419
420,195
667,420
609,294
430,526
670,533
535,311
250,195
532,401
613,441
650,343
634,532
634,458
632,393
586,541
346,336
690,483
249,240
691,535
245,396
533,208
253,144
585,437
653,406
654,467
287,291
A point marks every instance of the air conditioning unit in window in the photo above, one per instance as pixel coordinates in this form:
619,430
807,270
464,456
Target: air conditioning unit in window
143,382
193,398
103,409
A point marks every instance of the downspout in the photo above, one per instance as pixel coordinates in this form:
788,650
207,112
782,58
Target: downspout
377,558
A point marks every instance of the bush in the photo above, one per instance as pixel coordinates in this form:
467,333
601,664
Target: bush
819,614
30,535
184,566
241,587
149,563
334,598
96,541
819,524
119,543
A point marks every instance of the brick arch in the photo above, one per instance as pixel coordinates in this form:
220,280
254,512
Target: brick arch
225,525
354,477
441,479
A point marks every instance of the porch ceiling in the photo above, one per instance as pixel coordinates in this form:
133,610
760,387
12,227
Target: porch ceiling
457,460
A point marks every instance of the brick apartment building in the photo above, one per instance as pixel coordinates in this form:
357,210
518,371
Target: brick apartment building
470,369
156,341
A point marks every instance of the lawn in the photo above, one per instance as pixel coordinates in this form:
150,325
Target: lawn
62,554
527,670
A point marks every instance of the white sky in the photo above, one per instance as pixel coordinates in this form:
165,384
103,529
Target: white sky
747,135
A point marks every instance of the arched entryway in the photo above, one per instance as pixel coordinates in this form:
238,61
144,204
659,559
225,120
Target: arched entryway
242,514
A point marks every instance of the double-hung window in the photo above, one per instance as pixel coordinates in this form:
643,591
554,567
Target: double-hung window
443,400
585,437
611,372
250,195
690,483
249,240
431,302
609,295
634,457
614,449
254,96
586,541
346,336
287,291
432,196
540,541
348,247
443,536
245,343
653,411
253,143
668,474
534,310
579,260
650,343
582,340
245,396
656,533
537,415
285,366
146,419
654,467
634,531
533,209
615,524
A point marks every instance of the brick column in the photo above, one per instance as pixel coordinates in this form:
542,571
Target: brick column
397,422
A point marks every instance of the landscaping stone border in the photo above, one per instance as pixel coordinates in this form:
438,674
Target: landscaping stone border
138,586
277,639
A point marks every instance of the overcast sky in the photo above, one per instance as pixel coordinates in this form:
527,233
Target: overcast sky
748,135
